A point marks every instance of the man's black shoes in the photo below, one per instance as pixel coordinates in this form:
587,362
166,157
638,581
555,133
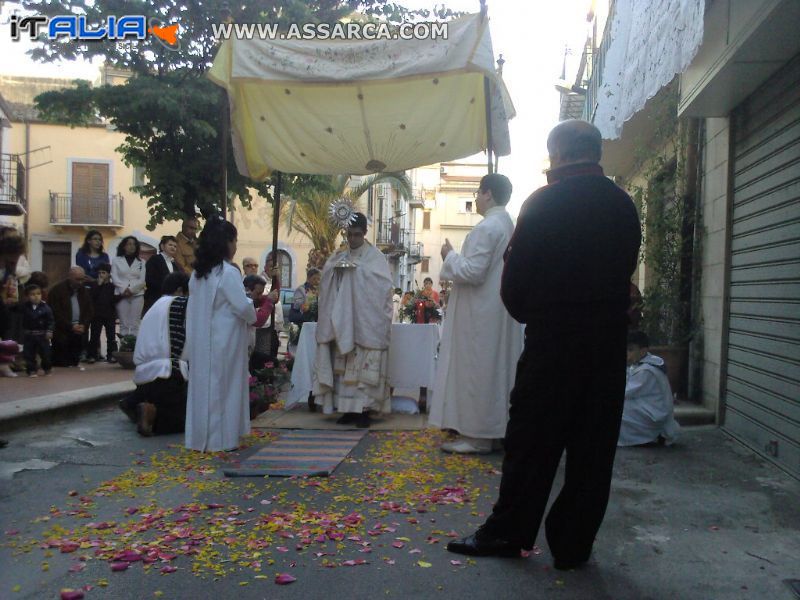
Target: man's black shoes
567,565
484,546
347,418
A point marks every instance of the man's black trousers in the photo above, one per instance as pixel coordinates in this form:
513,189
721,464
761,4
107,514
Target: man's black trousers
568,396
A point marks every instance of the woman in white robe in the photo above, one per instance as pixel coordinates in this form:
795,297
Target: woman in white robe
217,319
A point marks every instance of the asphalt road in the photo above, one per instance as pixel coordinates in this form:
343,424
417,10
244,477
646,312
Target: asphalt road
704,519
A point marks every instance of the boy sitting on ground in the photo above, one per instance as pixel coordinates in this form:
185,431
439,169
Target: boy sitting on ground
647,417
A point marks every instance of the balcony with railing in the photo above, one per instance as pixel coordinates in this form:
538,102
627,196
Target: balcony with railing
390,237
71,209
414,253
598,62
12,185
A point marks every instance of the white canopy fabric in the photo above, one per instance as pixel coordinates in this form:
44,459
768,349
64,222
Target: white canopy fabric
651,41
359,107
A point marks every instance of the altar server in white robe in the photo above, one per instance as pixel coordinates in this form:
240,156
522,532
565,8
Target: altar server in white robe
481,343
219,312
353,329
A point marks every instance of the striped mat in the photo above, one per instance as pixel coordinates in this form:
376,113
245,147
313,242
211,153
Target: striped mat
308,452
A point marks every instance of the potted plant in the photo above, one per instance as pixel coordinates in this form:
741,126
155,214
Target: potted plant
668,221
124,356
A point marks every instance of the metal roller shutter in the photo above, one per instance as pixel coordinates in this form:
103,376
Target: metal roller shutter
762,376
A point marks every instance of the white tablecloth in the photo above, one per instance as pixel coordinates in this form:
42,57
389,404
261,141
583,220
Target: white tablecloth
412,358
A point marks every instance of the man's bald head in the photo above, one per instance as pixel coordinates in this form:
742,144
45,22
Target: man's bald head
574,141
76,277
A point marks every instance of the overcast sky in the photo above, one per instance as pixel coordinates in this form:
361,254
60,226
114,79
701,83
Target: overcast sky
531,36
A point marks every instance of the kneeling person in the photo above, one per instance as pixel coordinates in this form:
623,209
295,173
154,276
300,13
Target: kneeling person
159,403
647,415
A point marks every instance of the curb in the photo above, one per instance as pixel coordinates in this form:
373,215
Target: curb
34,411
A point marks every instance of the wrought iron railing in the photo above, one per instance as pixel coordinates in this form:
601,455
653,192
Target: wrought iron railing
389,233
12,183
70,209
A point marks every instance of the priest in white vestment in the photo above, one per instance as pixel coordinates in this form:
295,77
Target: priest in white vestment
217,409
353,329
481,342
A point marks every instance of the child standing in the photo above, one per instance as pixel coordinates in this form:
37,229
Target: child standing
260,338
105,315
38,324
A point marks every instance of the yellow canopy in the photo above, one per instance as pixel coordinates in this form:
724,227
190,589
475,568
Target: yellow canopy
358,107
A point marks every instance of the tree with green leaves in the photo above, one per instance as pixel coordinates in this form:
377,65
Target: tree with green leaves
308,211
170,113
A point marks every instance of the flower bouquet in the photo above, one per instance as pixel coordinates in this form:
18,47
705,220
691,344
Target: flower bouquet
266,384
422,303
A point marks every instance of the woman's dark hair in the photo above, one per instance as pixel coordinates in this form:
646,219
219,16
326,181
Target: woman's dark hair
89,235
165,239
212,247
105,267
121,247
311,272
173,281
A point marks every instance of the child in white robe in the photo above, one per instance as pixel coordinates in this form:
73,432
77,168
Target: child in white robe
647,416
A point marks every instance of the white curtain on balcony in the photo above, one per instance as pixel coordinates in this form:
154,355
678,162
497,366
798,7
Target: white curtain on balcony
651,41
360,107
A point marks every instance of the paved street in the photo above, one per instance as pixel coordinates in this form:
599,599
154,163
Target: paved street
705,519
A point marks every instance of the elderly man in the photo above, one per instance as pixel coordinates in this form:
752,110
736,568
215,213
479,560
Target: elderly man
471,393
354,324
187,244
567,277
72,310
249,266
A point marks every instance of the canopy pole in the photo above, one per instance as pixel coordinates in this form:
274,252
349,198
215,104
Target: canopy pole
224,141
276,212
488,112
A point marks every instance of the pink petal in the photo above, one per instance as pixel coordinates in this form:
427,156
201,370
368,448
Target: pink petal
398,544
282,549
168,569
71,594
284,579
456,563
69,547
119,566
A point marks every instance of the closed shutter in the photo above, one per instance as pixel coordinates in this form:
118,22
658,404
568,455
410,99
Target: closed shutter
90,193
56,260
762,377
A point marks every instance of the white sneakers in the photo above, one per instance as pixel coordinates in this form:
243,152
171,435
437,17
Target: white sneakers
467,445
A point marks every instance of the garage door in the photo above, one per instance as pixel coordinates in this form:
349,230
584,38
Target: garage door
762,400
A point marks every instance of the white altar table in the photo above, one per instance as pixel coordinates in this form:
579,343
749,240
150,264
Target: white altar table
412,358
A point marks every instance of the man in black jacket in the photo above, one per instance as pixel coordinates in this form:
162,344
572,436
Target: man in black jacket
72,310
566,276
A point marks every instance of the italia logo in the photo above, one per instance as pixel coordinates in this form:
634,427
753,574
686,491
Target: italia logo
124,28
